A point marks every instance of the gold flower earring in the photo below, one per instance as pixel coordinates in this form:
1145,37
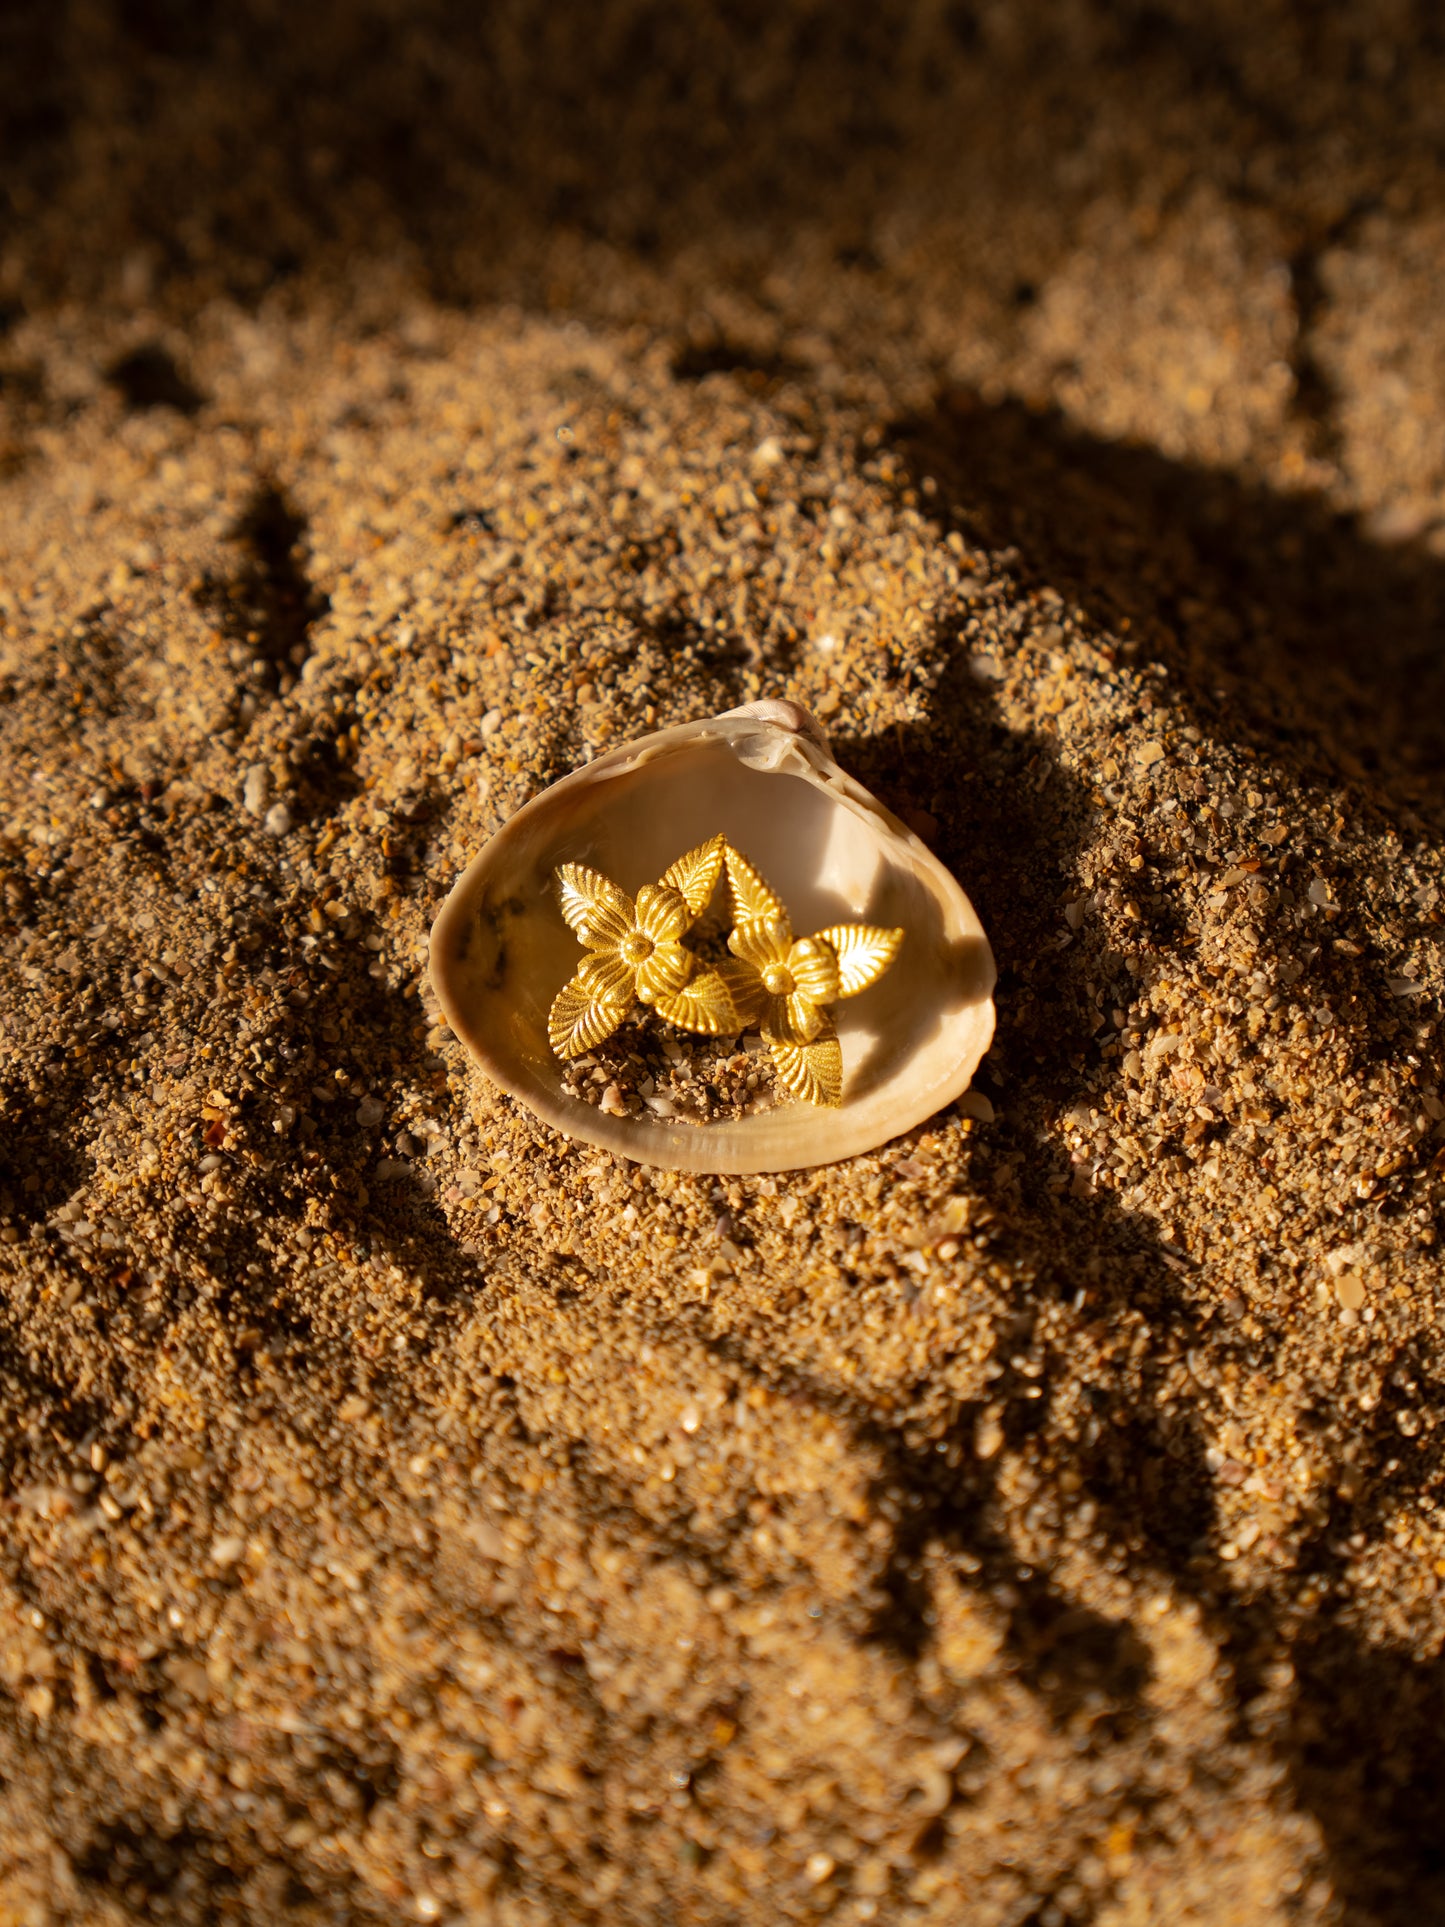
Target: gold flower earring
634,950
784,984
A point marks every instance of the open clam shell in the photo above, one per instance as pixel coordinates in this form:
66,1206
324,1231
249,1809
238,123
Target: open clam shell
763,777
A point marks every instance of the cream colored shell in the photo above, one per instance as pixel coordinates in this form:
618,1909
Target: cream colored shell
764,777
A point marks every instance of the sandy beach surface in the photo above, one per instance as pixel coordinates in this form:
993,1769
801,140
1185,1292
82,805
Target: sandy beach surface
409,1515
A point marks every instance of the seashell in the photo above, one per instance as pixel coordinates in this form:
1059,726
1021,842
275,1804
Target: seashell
764,778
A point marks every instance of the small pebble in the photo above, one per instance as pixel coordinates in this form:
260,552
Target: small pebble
255,788
1350,1290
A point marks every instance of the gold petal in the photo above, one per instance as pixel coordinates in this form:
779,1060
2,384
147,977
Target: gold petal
695,875
752,899
597,910
795,1019
774,1020
745,987
814,965
864,952
704,1004
765,941
662,912
607,976
581,1015
805,1019
813,1073
665,971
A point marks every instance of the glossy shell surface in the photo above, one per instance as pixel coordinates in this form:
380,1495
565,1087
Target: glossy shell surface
764,777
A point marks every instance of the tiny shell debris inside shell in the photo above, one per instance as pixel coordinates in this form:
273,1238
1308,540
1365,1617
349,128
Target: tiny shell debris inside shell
764,778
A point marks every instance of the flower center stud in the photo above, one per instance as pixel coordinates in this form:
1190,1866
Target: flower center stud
778,980
636,949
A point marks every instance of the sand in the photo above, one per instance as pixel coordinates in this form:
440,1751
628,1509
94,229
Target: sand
410,1515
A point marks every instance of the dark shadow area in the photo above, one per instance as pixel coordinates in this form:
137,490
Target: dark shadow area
1056,1912
148,378
41,1162
1366,1748
1012,823
1283,622
232,153
268,606
323,778
1079,1662
34,83
1090,1672
716,354
145,1866
1366,1741
26,404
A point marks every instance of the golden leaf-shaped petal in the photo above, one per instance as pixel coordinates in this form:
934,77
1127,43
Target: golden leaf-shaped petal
665,971
745,987
597,910
704,1004
813,1073
607,976
767,940
864,952
662,912
695,875
752,899
805,1020
773,1019
793,1019
590,1006
814,965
